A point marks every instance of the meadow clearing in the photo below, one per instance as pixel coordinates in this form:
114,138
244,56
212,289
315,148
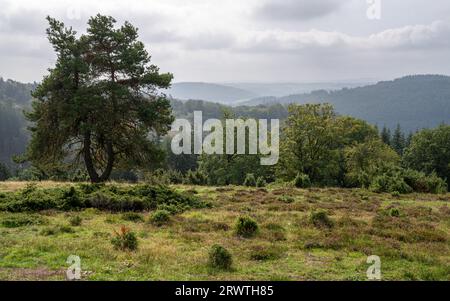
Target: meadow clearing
410,234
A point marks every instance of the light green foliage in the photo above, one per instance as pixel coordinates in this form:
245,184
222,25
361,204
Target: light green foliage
429,152
250,180
160,217
364,160
314,142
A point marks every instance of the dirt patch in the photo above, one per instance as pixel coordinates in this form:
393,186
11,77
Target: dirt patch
31,274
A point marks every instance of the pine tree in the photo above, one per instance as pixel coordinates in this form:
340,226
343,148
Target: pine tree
398,140
386,136
100,101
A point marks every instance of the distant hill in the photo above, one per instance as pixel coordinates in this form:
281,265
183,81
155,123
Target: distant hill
16,92
236,93
413,101
209,92
283,89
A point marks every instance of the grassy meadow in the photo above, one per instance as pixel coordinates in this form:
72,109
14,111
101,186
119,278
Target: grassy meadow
410,233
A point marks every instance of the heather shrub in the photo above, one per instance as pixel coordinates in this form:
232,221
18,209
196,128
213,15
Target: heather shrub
220,258
302,181
160,218
320,219
246,227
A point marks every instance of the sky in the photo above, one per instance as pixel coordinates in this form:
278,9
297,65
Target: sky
248,40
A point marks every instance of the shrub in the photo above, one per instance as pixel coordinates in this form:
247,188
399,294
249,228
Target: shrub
196,177
125,240
394,212
160,217
71,199
220,258
261,182
75,221
286,199
65,229
22,220
250,180
246,227
320,219
302,181
261,253
389,183
132,217
102,197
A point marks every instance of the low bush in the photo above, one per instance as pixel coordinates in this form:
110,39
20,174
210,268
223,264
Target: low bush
261,182
22,220
75,221
262,253
286,199
421,182
160,217
320,219
246,227
394,179
125,240
196,177
390,183
250,180
220,258
302,181
103,197
394,212
132,217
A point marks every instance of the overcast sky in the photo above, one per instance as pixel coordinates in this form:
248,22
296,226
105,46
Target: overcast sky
248,40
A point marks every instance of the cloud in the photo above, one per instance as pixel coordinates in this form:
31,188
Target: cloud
299,10
435,35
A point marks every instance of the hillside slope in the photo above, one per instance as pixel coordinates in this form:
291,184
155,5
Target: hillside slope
413,101
210,92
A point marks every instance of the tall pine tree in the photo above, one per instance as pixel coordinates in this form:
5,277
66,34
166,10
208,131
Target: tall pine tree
398,140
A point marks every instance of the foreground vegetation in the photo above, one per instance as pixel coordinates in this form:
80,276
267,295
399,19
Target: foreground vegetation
229,233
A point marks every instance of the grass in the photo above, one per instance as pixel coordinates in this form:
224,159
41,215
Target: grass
415,245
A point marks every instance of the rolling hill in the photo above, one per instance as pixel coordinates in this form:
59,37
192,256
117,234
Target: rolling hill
415,102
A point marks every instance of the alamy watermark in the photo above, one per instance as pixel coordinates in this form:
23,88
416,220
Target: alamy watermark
374,9
374,271
238,135
74,270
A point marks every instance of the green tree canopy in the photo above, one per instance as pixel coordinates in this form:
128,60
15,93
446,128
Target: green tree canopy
100,102
429,152
313,142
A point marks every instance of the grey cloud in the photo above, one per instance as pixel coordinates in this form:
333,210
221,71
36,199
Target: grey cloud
296,10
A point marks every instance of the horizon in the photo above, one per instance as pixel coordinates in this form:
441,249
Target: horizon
368,81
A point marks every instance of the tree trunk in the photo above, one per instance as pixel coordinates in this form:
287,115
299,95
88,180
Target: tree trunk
95,178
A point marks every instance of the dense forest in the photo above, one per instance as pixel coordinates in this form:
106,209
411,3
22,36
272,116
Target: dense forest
416,102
